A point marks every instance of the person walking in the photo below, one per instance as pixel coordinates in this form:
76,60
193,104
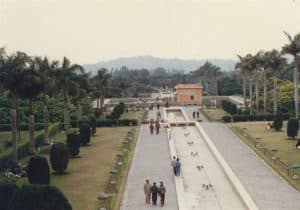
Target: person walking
173,163
157,126
194,114
154,191
178,167
151,128
147,191
162,193
198,114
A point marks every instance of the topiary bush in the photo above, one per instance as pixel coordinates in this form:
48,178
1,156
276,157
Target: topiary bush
93,124
292,127
39,197
7,191
38,170
226,118
59,157
277,123
85,133
73,142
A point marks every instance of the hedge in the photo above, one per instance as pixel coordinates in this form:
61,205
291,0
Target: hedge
5,157
38,170
23,127
260,117
112,123
42,197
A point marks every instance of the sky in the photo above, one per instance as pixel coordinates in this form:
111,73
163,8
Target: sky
89,31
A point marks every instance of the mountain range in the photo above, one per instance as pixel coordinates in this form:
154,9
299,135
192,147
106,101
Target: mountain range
150,62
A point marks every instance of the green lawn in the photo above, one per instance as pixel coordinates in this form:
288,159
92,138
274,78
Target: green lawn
270,139
213,114
87,175
132,115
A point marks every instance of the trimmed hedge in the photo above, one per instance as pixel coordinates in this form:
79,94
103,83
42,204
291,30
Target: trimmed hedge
7,191
226,118
229,107
23,127
43,197
260,117
85,133
59,157
122,122
5,157
292,127
73,142
38,170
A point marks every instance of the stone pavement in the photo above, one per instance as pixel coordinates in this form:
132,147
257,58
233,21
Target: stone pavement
268,190
151,160
189,112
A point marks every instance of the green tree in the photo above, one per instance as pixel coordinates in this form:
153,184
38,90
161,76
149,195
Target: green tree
100,86
46,69
293,48
67,78
31,86
272,62
11,72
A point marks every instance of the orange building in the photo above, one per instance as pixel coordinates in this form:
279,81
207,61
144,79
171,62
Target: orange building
189,94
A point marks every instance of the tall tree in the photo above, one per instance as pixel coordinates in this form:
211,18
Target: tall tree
243,73
31,86
67,77
293,48
46,70
247,65
100,86
11,71
272,63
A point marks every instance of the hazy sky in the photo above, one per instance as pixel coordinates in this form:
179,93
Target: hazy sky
87,31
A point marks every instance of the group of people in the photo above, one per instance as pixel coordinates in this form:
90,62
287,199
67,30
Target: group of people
196,113
152,191
154,124
176,164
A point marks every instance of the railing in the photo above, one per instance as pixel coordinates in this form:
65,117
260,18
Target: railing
268,155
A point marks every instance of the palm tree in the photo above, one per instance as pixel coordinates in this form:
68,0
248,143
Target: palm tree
31,86
242,72
247,66
293,48
11,70
67,77
272,62
46,69
100,84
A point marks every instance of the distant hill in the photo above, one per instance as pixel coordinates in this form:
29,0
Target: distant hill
150,62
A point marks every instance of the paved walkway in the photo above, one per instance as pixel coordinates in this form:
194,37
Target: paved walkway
151,160
268,189
189,112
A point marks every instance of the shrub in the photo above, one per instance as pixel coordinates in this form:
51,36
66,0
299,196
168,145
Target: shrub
93,124
226,118
59,157
292,127
107,123
229,107
43,197
277,123
73,142
7,191
38,170
85,133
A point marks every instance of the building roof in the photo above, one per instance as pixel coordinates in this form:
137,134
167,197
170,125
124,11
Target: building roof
188,86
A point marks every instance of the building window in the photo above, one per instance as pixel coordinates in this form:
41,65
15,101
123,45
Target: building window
192,98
